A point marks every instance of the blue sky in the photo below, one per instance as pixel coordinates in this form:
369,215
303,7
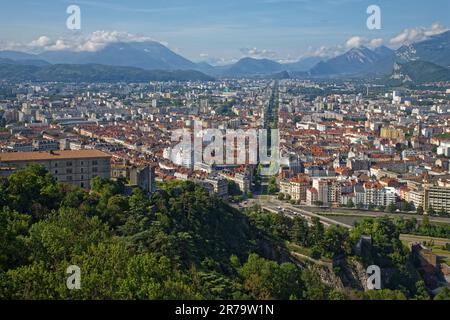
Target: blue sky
227,29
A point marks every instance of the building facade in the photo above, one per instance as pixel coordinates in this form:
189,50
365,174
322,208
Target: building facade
73,167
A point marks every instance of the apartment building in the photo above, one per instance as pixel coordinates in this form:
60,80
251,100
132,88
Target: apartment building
374,194
416,197
138,176
311,196
328,191
46,145
68,166
296,187
243,181
437,198
299,186
285,186
216,184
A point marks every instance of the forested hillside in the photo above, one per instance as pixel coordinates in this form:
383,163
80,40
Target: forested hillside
179,244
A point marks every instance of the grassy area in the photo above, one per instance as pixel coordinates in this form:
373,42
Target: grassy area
304,251
425,238
440,251
445,260
405,243
299,249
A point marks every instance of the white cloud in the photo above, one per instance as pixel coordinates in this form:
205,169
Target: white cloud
258,53
42,41
90,42
323,51
375,43
58,45
333,51
355,42
409,36
11,45
220,61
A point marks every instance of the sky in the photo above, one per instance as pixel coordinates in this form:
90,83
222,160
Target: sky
221,31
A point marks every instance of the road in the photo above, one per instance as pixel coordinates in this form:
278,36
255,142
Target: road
291,211
274,205
277,206
271,201
365,213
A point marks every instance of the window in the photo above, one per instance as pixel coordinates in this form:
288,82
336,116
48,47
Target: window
68,170
69,178
94,170
94,162
56,171
82,184
69,163
81,170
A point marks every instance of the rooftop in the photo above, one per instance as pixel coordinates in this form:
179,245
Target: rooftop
53,155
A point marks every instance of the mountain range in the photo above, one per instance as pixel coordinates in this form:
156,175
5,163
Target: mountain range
93,73
419,72
151,55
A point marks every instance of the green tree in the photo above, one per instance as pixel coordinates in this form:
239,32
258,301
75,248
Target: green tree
13,228
350,203
299,231
33,190
383,294
314,288
272,187
265,279
149,277
391,208
335,242
421,291
316,232
66,232
444,294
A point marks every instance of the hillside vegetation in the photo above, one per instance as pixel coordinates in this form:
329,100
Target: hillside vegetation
179,244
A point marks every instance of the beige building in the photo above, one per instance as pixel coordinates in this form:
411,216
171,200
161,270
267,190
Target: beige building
437,198
76,167
295,188
328,191
392,133
285,187
311,196
416,197
298,188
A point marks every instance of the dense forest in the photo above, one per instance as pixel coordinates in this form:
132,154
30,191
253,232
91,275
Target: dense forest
181,243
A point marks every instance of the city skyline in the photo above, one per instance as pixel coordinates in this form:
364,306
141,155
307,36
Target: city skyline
222,33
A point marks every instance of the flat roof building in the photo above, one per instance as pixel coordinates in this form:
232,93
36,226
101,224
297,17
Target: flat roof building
76,167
